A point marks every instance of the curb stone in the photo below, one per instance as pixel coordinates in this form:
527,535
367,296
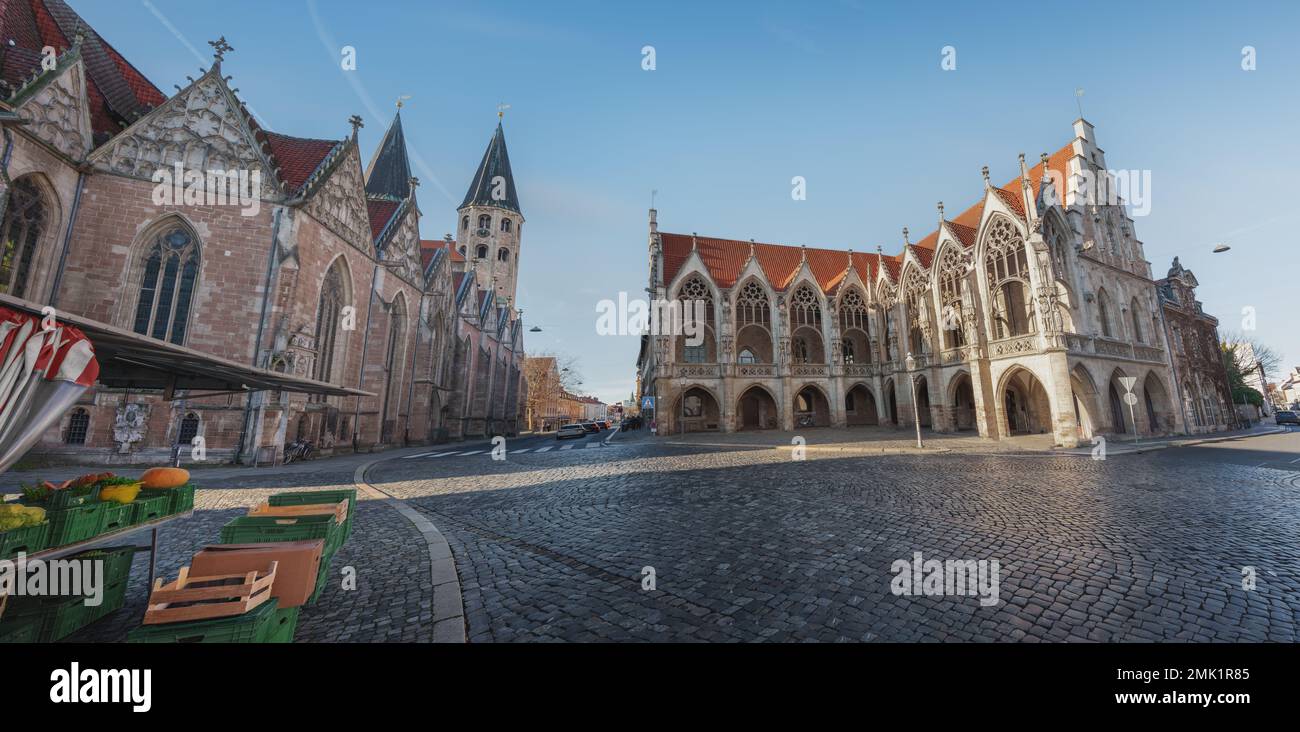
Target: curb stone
448,606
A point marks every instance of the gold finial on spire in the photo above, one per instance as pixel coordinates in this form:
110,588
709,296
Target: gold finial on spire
501,110
401,101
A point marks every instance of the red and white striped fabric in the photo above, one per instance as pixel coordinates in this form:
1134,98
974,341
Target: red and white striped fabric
43,371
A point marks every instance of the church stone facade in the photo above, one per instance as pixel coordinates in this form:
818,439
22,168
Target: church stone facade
326,276
1031,311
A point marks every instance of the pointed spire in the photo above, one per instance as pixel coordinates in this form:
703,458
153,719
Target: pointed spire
389,171
494,177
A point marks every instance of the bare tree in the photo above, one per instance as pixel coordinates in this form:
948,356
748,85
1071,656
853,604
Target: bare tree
548,376
1249,353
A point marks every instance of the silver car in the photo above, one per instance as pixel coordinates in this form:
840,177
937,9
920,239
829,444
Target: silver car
570,430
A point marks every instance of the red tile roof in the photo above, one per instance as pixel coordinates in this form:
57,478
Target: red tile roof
381,212
298,157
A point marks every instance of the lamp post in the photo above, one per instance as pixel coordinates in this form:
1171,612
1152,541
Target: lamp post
910,363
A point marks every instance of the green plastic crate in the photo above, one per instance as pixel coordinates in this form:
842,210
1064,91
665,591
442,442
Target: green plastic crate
71,525
20,629
117,561
329,496
27,540
179,500
116,516
263,529
322,578
263,624
63,618
114,598
150,509
60,616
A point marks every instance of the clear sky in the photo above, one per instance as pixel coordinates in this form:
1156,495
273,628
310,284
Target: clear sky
745,95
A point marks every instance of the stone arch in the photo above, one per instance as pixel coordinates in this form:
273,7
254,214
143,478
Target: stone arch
812,407
860,406
752,312
923,404
1083,389
33,223
697,409
891,401
1121,418
1004,255
690,289
855,326
961,401
1159,407
756,409
1023,404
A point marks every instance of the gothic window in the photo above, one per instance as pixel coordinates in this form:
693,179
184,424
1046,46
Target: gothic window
804,309
78,425
485,222
189,429
853,312
1134,313
695,354
464,225
171,270
505,225
918,290
481,252
24,222
752,305
1103,313
329,322
952,270
1007,269
503,255
694,290
392,354
746,356
1056,244
846,351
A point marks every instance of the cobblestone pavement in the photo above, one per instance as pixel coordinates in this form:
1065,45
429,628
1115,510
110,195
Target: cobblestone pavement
392,601
749,545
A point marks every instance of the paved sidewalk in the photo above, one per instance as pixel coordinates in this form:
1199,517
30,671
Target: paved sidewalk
1147,444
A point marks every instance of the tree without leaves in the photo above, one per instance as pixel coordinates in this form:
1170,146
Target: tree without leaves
1249,353
548,376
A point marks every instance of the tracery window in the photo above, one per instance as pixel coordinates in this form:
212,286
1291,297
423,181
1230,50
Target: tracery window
752,305
171,271
918,290
328,322
853,312
1007,268
1057,243
695,290
805,309
952,270
24,222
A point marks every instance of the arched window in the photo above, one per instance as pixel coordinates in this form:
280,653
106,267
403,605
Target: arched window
393,352
462,250
171,272
505,225
746,356
485,222
24,222
503,255
695,298
328,321
951,272
1134,310
804,309
1056,244
189,429
752,305
464,223
481,252
78,426
1008,275
1103,313
853,312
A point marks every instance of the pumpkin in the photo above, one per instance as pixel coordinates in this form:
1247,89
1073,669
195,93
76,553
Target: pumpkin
120,493
156,478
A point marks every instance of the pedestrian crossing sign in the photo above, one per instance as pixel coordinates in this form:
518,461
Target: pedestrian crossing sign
647,402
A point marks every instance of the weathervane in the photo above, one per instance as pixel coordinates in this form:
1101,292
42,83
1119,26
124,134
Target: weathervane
401,101
220,48
1078,99
501,110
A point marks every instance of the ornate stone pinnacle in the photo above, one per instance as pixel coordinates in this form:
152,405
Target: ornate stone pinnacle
357,124
906,241
220,48
985,172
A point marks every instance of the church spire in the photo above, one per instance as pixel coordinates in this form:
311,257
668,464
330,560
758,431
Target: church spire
494,184
389,171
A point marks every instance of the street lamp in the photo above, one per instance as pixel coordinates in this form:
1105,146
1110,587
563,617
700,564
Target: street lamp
910,363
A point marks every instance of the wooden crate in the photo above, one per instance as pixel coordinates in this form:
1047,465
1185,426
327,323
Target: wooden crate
340,510
201,598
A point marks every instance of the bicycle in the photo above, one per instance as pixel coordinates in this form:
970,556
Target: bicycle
298,450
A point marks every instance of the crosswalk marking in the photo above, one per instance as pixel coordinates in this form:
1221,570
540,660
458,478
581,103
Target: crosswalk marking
471,452
544,449
516,452
547,448
566,447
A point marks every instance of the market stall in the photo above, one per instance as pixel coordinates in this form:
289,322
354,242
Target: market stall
47,361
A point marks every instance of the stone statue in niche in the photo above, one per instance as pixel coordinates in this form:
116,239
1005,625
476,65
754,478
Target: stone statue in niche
130,423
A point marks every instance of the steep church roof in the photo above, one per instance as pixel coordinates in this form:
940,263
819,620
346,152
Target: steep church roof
496,162
389,171
118,92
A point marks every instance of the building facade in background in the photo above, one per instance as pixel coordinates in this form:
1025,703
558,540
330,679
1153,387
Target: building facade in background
304,257
1203,387
1031,311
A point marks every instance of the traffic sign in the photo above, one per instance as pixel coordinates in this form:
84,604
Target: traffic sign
1128,382
1130,398
647,402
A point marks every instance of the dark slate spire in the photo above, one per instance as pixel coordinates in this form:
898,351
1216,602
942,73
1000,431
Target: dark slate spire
496,162
389,172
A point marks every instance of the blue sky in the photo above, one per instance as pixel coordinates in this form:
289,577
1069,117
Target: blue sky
847,94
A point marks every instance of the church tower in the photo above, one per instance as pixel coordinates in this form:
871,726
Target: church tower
491,223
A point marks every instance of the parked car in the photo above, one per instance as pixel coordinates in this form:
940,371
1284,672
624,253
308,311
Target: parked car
590,427
1287,417
570,430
